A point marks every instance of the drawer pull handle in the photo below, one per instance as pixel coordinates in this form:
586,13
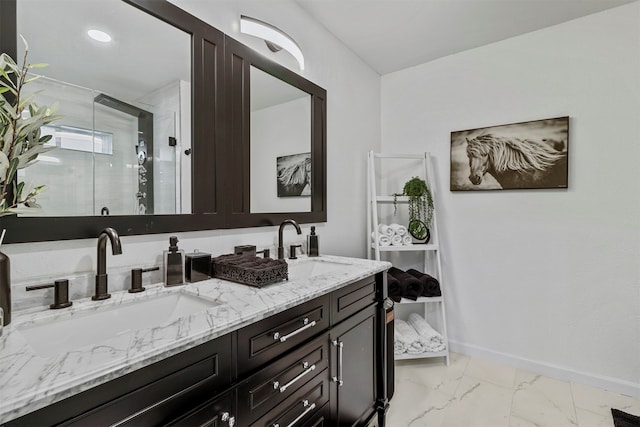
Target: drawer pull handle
290,383
305,403
225,417
306,326
340,346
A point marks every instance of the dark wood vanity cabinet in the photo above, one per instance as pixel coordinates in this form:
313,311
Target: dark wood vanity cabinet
315,364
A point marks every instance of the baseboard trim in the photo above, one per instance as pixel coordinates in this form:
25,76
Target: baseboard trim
562,373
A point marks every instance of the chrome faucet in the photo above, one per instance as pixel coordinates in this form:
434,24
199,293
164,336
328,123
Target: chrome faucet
101,272
280,230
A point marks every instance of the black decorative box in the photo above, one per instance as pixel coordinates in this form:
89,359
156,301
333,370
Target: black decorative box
197,266
250,270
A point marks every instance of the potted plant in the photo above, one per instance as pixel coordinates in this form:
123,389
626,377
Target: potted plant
21,120
420,207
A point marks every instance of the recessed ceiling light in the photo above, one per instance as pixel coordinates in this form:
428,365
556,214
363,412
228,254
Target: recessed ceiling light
100,36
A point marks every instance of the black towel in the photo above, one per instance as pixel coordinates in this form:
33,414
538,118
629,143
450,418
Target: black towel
430,285
623,419
393,288
410,286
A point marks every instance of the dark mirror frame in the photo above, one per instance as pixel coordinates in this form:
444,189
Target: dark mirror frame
239,59
219,116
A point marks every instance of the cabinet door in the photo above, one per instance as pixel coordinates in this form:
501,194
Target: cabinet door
218,412
353,369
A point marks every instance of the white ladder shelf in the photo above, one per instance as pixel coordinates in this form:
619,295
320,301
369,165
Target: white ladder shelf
432,249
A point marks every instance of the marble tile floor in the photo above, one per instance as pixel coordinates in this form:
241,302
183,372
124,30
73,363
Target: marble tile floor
474,392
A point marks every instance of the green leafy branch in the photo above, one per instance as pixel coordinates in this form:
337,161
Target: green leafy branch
21,120
420,200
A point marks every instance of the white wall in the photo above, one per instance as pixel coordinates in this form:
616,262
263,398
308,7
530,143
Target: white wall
547,280
353,95
273,136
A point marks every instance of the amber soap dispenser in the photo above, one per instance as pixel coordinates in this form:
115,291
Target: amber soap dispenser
173,264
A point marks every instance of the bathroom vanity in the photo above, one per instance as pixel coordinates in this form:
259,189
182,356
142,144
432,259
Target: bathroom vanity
307,351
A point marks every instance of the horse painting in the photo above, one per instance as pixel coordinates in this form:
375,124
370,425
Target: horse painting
294,175
517,163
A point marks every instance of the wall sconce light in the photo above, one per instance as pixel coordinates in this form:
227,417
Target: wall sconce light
275,38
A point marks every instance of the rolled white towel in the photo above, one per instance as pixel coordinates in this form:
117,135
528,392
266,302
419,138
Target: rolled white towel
396,240
383,239
408,337
398,229
428,337
385,229
399,347
407,240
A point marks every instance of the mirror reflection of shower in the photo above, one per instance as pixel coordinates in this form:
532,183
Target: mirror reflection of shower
120,155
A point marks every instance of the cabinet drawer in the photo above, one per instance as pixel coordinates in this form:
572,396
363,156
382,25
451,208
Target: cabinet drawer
159,401
267,339
321,418
301,407
216,412
281,379
353,298
148,395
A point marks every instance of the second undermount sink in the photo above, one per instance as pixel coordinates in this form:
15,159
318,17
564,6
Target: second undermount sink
313,267
93,327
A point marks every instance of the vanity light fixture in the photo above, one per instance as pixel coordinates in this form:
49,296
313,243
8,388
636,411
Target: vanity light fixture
99,36
275,38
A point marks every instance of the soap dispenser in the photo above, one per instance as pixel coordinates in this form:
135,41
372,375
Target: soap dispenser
312,243
173,264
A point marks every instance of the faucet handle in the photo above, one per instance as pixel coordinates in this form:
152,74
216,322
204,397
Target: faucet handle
265,253
136,278
292,251
60,295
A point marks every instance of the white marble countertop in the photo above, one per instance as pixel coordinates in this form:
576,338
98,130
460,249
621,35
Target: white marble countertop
29,381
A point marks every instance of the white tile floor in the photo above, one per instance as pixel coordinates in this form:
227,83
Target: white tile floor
474,392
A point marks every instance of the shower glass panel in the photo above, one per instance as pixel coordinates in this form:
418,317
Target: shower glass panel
108,157
67,173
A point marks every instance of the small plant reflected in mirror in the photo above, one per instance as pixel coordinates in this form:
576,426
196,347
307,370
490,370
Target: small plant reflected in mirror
21,120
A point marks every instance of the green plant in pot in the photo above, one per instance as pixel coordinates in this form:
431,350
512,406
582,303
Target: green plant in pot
420,207
21,120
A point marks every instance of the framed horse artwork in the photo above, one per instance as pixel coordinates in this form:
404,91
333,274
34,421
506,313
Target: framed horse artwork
525,155
294,175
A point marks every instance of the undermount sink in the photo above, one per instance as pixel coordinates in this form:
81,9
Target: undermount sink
91,327
312,267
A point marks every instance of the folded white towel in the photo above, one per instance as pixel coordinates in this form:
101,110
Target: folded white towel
385,229
396,240
407,240
383,239
428,337
407,337
398,229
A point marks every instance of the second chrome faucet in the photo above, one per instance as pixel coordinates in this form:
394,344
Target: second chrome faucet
101,270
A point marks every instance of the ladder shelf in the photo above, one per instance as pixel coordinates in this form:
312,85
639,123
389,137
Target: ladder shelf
431,250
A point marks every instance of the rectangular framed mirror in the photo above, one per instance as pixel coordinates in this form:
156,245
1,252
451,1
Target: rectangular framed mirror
283,152
148,139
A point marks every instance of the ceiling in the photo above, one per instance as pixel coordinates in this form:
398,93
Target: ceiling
391,35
